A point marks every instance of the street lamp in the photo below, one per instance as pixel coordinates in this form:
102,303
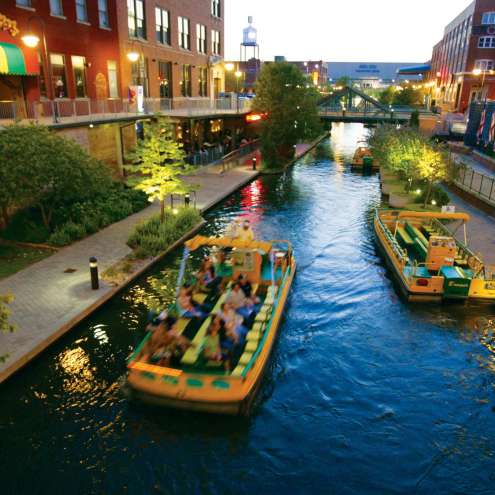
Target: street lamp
133,56
31,40
229,66
238,75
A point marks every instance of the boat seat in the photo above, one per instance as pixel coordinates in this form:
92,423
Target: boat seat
245,358
253,335
251,346
192,354
414,232
238,370
420,249
182,324
259,326
422,271
404,237
213,364
200,297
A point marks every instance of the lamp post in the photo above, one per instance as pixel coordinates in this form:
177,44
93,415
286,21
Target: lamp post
238,75
477,72
31,40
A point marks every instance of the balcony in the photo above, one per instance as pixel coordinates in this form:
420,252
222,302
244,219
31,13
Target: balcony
62,112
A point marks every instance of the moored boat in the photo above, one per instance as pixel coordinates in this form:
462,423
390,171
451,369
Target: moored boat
427,261
195,382
363,159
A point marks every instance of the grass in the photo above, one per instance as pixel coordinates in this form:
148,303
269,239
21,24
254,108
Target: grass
14,258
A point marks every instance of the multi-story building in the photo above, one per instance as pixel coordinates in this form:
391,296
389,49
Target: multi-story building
172,48
463,62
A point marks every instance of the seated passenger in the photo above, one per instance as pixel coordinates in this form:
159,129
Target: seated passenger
227,341
234,322
207,281
185,305
245,306
211,344
245,285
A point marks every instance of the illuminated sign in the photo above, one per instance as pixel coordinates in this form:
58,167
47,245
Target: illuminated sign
255,117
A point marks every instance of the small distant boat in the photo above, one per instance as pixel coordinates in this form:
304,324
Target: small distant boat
194,383
363,159
427,261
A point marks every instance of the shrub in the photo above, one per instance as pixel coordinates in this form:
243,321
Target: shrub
67,233
152,237
437,194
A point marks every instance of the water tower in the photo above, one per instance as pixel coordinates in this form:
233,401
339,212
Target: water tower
250,62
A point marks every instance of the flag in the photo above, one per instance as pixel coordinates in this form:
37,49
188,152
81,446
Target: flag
479,134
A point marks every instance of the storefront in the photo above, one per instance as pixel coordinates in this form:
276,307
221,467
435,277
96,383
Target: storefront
19,71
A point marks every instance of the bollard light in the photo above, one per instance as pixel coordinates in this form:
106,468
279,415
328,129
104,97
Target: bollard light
254,162
93,270
187,199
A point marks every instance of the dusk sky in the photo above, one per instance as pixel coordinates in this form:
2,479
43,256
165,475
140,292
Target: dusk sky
342,30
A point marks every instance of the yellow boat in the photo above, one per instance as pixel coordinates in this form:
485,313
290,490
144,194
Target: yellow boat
427,261
363,159
199,385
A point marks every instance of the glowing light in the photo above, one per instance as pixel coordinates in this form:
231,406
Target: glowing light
433,202
476,72
229,66
133,56
238,74
418,191
175,211
30,40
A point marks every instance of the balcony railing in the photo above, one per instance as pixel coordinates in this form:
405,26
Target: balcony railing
63,111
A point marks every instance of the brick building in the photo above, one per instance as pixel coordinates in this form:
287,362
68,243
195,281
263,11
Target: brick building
463,62
179,45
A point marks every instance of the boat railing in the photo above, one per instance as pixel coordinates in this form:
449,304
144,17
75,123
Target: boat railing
396,248
267,331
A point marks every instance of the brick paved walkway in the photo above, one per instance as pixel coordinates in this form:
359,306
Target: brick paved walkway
47,299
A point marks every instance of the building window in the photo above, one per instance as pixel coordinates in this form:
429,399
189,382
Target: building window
215,8
486,42
103,13
81,11
79,72
59,76
162,26
203,81
215,42
201,38
56,7
184,33
135,19
24,3
488,18
41,77
185,84
113,85
484,64
165,78
139,72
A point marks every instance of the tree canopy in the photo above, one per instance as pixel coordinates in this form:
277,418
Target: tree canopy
283,93
158,164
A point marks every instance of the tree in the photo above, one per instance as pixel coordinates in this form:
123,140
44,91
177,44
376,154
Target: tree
41,168
343,81
158,164
414,120
290,103
431,166
5,326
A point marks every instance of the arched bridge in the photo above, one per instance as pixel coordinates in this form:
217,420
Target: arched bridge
350,104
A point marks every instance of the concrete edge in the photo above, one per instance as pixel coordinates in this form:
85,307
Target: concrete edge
62,330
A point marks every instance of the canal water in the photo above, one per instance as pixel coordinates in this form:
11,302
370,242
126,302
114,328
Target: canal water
364,394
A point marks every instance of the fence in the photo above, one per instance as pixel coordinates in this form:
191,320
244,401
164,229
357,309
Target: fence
85,109
474,182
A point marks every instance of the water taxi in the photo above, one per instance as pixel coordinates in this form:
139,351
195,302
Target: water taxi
427,261
363,159
195,383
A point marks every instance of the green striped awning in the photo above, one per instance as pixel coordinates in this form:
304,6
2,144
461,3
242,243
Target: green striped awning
13,61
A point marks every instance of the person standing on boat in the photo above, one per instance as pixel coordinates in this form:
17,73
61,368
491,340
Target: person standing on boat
245,233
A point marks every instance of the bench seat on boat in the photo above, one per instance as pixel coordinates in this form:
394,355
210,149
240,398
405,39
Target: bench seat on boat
245,358
192,354
404,237
420,249
182,324
251,346
238,370
254,335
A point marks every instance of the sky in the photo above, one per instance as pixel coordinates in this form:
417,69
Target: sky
341,30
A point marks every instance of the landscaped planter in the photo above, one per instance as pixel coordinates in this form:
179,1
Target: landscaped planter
391,185
399,200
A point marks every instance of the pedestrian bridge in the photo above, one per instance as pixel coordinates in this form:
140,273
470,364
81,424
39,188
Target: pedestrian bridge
350,104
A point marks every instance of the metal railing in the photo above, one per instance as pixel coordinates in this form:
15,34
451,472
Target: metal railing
84,109
471,181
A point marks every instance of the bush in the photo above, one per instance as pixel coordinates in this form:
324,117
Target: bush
152,237
67,233
437,194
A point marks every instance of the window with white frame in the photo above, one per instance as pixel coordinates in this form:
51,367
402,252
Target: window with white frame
488,18
24,3
135,19
103,14
486,42
79,74
162,22
201,38
484,65
215,42
113,87
184,33
56,7
215,8
81,11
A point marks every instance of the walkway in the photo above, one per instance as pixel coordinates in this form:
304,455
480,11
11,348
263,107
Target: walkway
471,162
49,299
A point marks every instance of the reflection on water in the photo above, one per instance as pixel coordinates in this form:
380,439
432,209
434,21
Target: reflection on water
364,394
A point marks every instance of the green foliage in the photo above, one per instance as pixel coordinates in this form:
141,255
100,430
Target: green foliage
42,169
283,93
158,164
407,152
414,120
154,236
437,194
67,233
343,81
5,325
402,96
